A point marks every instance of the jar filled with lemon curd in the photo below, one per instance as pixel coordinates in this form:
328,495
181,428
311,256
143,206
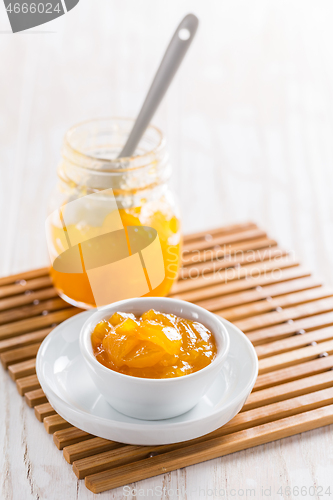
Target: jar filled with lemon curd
114,230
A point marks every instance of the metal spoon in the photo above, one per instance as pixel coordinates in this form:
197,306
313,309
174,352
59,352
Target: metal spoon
173,56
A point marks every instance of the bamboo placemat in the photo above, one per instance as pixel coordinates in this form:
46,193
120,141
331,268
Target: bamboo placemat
237,272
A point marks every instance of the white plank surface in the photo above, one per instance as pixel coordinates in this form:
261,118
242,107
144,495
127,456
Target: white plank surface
249,121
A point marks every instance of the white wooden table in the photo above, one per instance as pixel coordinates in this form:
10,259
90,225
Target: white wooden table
249,122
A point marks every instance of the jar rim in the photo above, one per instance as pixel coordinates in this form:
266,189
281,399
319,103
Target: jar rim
120,163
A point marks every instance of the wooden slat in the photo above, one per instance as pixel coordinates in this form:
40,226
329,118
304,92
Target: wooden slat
233,228
28,298
204,268
27,275
44,307
27,384
24,340
281,316
208,450
54,423
225,239
278,332
211,297
32,324
259,293
275,378
34,398
23,369
291,343
117,457
204,287
44,410
24,286
294,357
230,294
86,448
289,390
190,258
18,355
245,420
70,436
285,301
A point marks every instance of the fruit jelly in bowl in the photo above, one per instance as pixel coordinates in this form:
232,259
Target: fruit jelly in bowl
66,382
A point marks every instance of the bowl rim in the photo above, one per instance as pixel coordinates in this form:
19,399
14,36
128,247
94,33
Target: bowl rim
88,355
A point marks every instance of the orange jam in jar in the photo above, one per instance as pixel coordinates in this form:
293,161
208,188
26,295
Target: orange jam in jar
156,345
99,201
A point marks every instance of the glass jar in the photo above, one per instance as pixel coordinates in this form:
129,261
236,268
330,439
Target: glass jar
91,176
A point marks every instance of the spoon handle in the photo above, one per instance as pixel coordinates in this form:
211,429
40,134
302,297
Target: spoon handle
173,56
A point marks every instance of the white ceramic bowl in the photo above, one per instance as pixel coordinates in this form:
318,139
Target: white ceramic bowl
154,399
64,377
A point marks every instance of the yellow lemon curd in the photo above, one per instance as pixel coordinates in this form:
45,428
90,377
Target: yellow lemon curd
156,345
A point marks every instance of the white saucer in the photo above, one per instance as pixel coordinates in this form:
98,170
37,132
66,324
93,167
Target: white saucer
65,380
